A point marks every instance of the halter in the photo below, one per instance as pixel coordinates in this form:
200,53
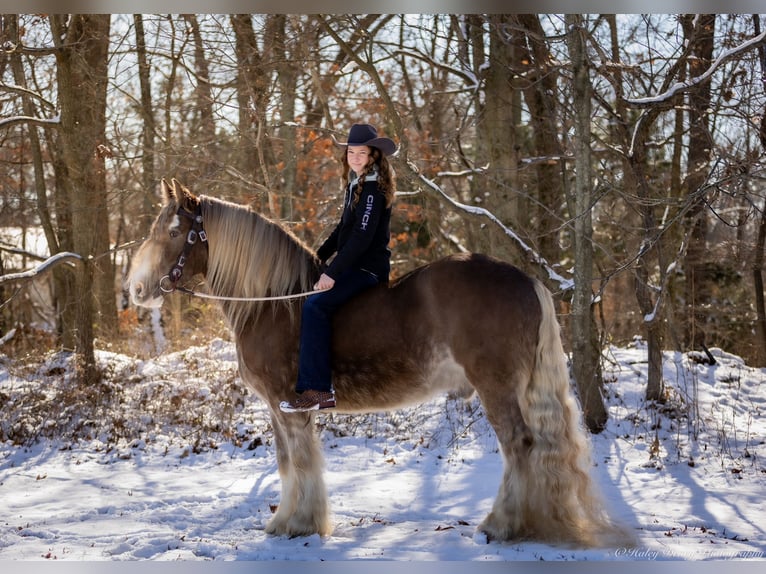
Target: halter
196,232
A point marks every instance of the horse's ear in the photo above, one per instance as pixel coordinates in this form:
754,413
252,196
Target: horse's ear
168,193
179,191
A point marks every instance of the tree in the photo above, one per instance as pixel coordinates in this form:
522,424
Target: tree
496,139
148,178
760,243
539,74
265,149
34,106
203,124
586,355
699,31
82,46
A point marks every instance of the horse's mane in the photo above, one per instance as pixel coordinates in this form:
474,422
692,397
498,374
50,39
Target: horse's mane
252,256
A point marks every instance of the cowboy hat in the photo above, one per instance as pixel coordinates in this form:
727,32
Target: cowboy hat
365,134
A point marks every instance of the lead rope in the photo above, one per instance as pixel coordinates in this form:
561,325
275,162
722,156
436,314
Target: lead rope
247,299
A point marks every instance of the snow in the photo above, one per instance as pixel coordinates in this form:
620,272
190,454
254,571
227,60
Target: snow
175,461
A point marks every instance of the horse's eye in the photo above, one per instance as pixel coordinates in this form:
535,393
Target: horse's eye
174,233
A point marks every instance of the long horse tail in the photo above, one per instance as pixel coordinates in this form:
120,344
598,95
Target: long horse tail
560,500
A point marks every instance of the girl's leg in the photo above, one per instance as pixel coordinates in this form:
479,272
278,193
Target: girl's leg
314,365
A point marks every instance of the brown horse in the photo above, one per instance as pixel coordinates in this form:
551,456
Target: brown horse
467,323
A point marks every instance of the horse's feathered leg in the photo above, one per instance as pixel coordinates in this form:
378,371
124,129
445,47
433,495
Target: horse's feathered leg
303,507
505,520
546,491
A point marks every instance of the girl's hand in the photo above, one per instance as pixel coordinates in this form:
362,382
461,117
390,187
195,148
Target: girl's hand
325,282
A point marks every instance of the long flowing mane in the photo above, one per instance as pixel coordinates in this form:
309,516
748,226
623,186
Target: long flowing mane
252,256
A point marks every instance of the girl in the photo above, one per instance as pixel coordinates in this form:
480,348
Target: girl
362,260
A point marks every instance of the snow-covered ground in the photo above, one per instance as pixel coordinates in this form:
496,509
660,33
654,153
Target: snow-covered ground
171,460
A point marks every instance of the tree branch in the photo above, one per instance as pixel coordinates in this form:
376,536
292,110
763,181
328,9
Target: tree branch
8,122
563,283
368,66
63,257
26,92
681,86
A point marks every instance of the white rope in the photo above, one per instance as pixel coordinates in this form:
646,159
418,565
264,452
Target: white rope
250,299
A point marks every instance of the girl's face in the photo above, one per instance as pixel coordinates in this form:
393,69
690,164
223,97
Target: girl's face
358,157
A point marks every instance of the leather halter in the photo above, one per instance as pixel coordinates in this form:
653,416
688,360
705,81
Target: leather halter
196,232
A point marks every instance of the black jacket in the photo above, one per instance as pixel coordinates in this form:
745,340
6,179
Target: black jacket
361,237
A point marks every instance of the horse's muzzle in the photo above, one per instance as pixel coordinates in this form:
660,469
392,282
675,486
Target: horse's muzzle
143,297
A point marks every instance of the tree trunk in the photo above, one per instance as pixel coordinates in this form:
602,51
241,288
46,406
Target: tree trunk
699,32
760,322
253,83
496,133
246,50
287,75
649,307
635,181
585,356
82,42
148,177
63,281
540,94
472,54
760,307
203,126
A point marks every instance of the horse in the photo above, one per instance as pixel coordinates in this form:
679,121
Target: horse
464,324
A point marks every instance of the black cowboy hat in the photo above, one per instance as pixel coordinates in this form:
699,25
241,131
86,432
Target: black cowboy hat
365,134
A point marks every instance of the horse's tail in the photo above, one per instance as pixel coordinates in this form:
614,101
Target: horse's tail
562,503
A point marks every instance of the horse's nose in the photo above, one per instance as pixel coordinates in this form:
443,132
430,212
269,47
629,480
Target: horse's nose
137,289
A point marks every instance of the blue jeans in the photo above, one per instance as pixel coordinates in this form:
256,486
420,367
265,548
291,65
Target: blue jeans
314,362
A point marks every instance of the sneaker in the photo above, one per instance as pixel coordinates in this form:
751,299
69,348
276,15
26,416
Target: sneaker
309,401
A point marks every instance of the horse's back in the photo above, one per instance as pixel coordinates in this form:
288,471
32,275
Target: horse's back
473,279
484,307
425,329
464,291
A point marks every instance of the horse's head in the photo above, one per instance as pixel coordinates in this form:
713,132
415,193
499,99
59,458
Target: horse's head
171,249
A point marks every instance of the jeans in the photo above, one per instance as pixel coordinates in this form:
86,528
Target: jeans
314,362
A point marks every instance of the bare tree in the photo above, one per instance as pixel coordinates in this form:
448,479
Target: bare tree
35,106
497,144
760,242
203,125
586,356
82,43
538,74
251,95
148,132
699,31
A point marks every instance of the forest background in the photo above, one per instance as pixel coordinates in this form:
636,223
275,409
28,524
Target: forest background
619,158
